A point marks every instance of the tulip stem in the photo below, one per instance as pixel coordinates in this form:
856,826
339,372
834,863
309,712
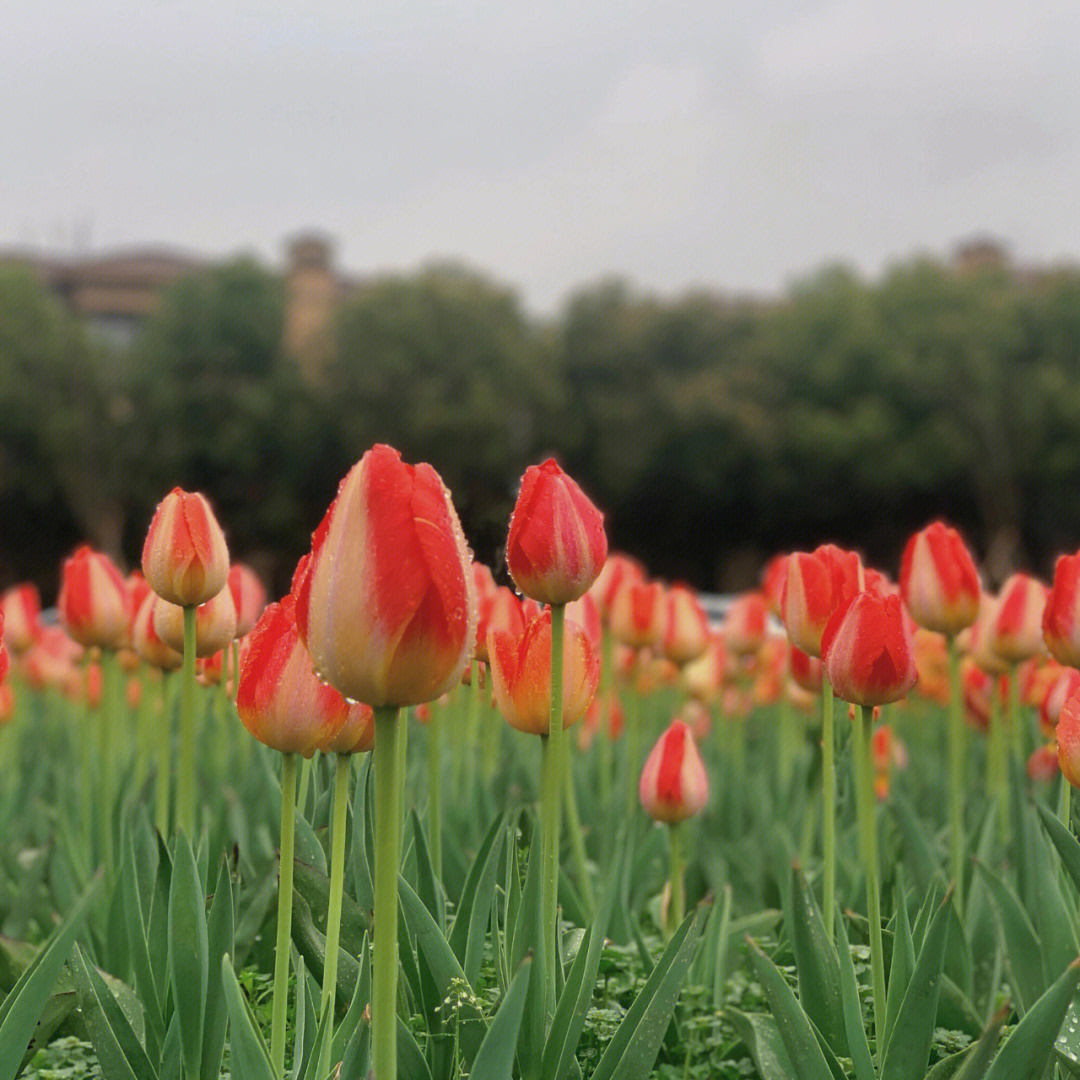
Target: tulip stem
864,729
388,796
342,765
434,762
1065,804
677,900
305,782
995,762
1015,726
163,732
828,809
956,774
113,689
284,916
185,794
551,803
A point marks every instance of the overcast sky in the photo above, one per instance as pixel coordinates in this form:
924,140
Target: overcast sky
734,144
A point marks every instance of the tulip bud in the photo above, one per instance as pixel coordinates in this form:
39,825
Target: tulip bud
93,600
249,596
21,610
556,546
938,580
521,674
773,578
745,624
1061,617
184,557
483,581
386,604
817,584
637,614
1068,740
281,700
686,626
617,571
215,624
1015,633
674,785
867,651
586,614
502,610
806,671
147,642
1064,686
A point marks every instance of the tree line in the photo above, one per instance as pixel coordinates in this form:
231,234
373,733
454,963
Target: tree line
712,431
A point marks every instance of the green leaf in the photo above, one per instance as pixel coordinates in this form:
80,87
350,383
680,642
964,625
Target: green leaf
762,1038
188,953
118,1049
427,887
495,1058
924,861
853,1015
817,965
22,1008
903,964
1023,951
632,1051
469,931
1027,1050
908,1050
980,1055
1068,847
247,1052
139,950
528,940
801,1043
220,933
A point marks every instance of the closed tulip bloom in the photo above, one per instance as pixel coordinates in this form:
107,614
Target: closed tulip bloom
146,641
704,676
807,671
1065,685
686,626
280,699
93,600
386,604
773,578
21,610
1015,633
817,584
980,641
746,623
483,581
939,581
867,651
502,610
1061,617
637,614
674,785
556,546
586,614
185,558
249,596
215,624
1068,740
521,674
617,570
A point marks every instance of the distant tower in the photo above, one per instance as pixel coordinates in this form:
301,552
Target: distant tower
980,253
311,300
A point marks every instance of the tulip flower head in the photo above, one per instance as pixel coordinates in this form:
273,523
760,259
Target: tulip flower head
1016,633
281,700
817,584
503,609
806,671
1042,765
617,570
93,600
1068,740
746,623
674,785
1064,686
1061,617
215,624
386,604
636,617
867,651
184,557
686,626
21,609
521,674
938,580
556,546
147,642
586,614
249,596
773,578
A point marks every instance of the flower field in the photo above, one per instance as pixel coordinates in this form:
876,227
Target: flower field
421,819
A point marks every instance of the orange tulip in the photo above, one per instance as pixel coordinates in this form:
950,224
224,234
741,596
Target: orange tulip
215,624
674,785
184,557
93,600
938,580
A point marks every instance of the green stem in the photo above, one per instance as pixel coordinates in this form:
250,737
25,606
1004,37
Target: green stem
337,889
828,806
306,769
185,793
995,761
1016,728
577,843
632,741
284,915
112,693
388,796
868,845
1065,804
785,728
551,803
162,781
956,774
434,762
677,900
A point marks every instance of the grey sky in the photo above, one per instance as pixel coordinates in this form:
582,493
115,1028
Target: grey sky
732,144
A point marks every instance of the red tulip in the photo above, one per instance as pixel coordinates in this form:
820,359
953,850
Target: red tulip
817,584
636,616
185,558
772,583
1015,633
502,610
1042,766
1061,617
386,604
483,581
249,596
93,600
806,671
938,580
281,700
686,626
674,785
52,660
586,614
1068,740
745,624
1064,686
556,546
521,674
617,570
21,610
215,624
704,676
147,642
867,651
